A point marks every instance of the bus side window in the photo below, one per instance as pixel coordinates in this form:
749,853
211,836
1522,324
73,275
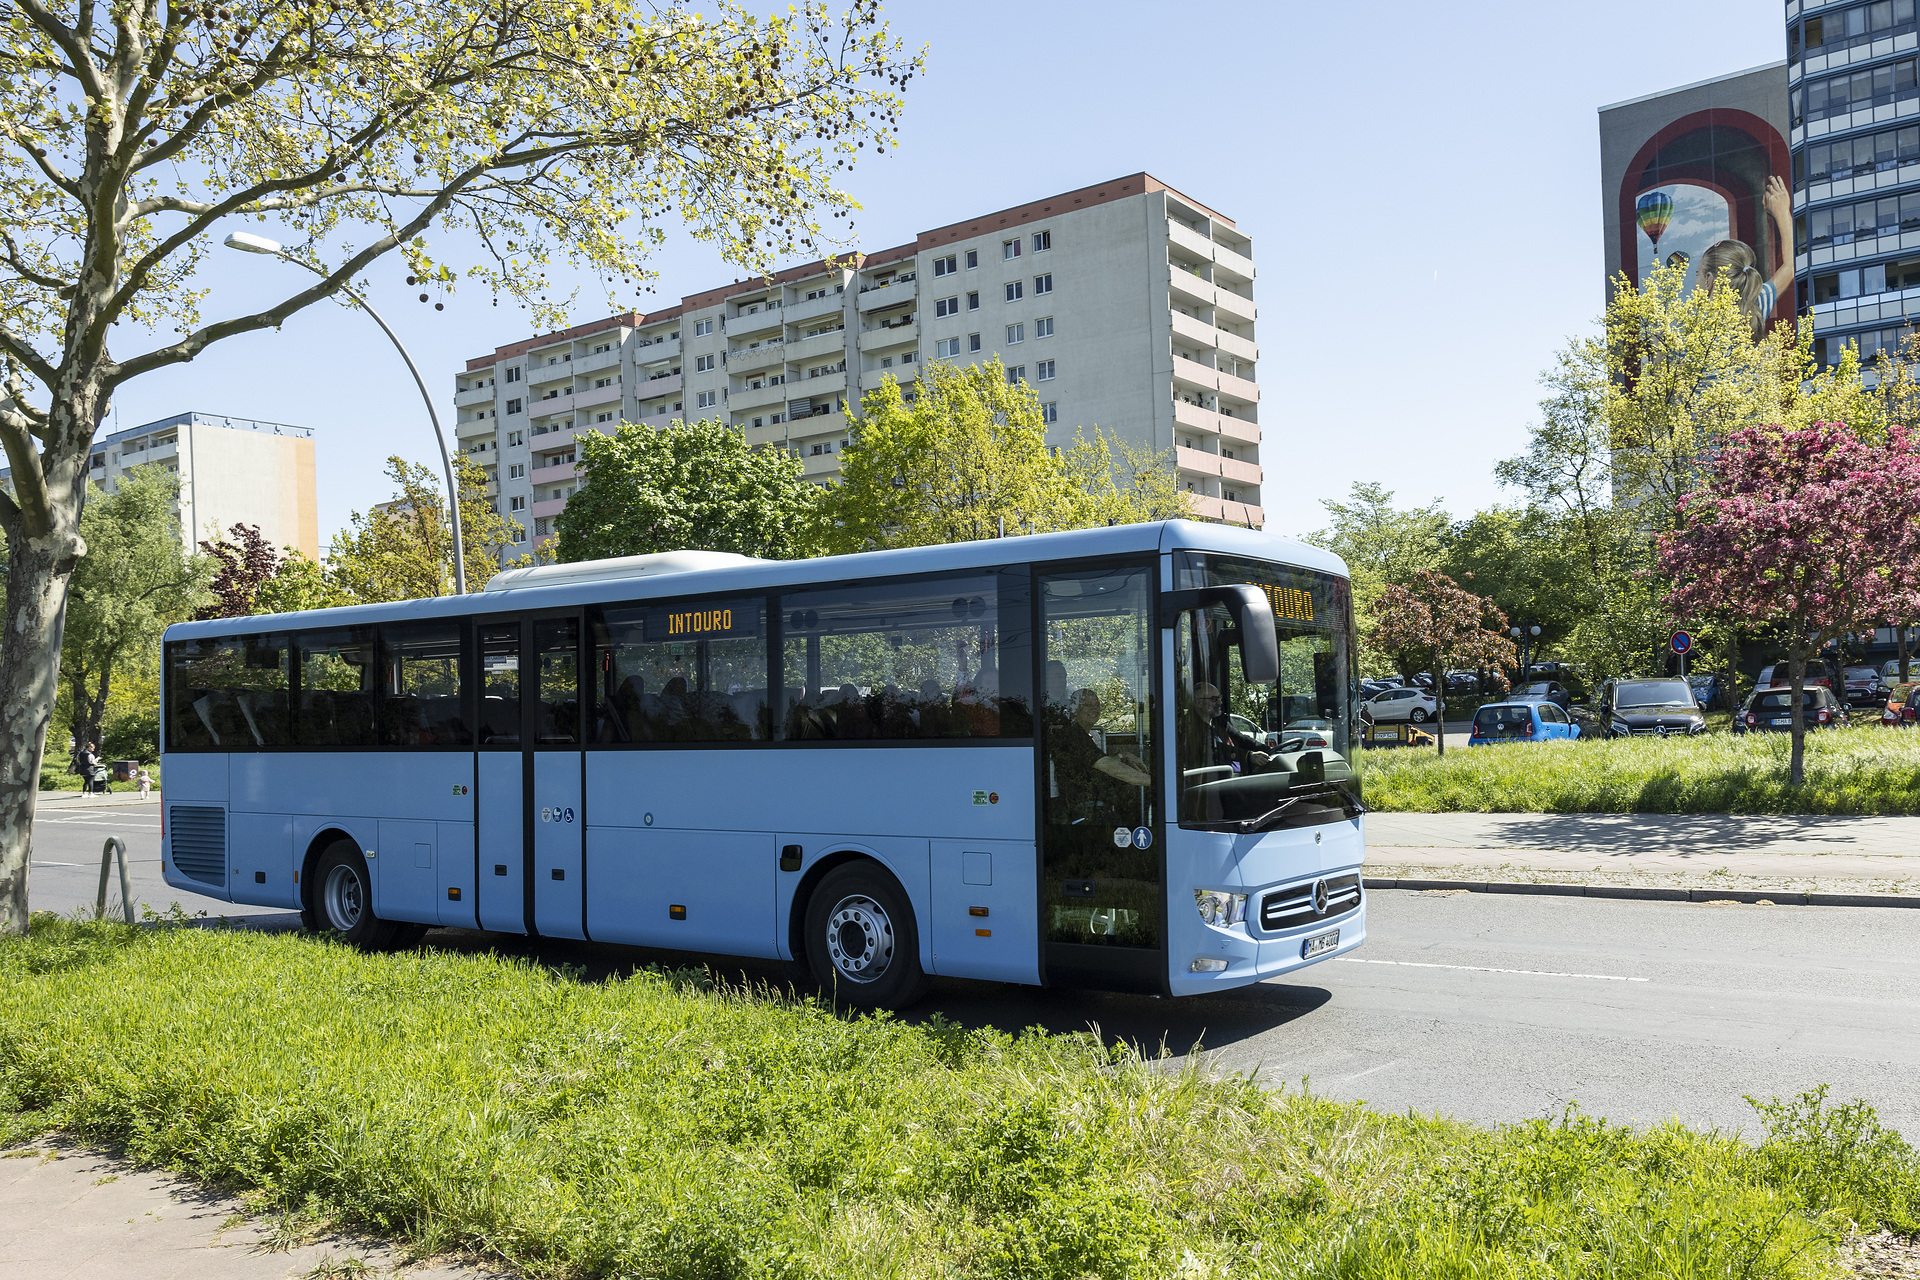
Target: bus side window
338,687
500,683
423,704
228,693
556,646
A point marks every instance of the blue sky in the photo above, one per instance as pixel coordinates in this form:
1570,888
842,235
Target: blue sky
1421,183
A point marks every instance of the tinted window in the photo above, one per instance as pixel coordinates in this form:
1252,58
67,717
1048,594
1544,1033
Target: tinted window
925,658
424,706
682,672
1653,693
1492,720
227,694
500,684
337,688
556,648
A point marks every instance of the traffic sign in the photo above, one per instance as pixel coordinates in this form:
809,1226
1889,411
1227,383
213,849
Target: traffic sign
1682,642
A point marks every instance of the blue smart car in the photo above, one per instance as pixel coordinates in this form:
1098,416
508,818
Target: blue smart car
1520,722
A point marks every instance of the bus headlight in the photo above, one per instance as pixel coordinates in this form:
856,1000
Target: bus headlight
1217,908
1208,964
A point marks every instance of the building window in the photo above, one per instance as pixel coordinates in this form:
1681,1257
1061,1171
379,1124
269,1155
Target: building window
1043,284
973,342
946,347
513,406
1879,87
886,362
1050,412
516,437
909,357
706,399
516,470
1016,333
517,504
702,364
1043,372
1016,373
1043,327
701,328
973,302
973,259
1016,289
1010,249
944,307
513,373
945,266
1042,241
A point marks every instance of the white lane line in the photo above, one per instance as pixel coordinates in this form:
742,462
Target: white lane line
1480,968
95,822
36,862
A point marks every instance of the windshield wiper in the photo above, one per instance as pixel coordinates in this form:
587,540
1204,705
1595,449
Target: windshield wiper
1349,804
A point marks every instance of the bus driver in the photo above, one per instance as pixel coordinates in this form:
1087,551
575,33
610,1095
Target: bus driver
1225,744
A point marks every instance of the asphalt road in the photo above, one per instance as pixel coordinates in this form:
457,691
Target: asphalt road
1487,1007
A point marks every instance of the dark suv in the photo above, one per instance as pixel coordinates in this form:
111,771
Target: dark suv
1771,711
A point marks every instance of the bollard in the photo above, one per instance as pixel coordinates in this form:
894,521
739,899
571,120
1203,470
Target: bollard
107,851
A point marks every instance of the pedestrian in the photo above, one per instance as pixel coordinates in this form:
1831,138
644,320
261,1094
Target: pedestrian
86,762
146,784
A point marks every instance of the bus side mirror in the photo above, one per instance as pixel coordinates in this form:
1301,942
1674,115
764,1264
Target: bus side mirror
1252,617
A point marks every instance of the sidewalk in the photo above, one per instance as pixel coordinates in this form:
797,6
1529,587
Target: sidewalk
1791,854
73,1214
81,800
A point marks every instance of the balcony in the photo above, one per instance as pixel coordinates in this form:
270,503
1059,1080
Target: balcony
813,308
1194,242
1244,514
647,353
1241,389
596,361
827,384
1200,375
1236,346
1189,288
888,295
472,396
1198,332
547,406
664,384
819,349
891,335
590,396
1240,471
1228,260
558,474
745,360
816,426
827,464
1235,307
747,399
541,374
547,508
761,321
474,428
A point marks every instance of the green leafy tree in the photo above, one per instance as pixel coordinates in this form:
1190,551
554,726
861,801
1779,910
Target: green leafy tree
299,584
691,486
403,549
1527,562
1382,545
967,458
133,134
135,579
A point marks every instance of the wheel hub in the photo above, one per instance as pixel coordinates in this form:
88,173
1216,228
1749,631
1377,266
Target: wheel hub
344,898
860,939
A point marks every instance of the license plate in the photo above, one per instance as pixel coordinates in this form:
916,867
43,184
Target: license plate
1319,944
1784,720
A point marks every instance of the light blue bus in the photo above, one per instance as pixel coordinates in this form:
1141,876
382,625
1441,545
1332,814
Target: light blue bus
1122,758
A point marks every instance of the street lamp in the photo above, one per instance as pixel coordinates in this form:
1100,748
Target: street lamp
248,243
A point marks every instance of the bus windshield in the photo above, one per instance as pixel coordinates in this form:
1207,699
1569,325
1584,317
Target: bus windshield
1262,757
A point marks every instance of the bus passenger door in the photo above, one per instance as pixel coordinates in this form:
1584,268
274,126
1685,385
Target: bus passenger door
500,807
554,730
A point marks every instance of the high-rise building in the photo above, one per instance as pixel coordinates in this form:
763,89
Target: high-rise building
232,471
1685,176
1854,106
1125,305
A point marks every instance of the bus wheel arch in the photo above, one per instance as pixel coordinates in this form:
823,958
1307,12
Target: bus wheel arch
876,963
337,894
323,840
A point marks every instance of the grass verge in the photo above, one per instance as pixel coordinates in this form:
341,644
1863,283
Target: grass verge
1868,770
655,1126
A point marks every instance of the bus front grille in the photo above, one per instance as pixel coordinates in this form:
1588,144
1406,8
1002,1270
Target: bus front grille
197,836
1297,905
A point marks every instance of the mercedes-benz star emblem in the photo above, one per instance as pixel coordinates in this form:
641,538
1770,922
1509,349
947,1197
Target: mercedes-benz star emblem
1320,897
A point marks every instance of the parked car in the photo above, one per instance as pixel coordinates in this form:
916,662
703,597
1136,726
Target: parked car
1820,672
1862,686
1463,682
1379,684
1544,691
1651,708
1532,721
1303,735
1395,735
1890,673
1903,707
1771,710
1414,705
1708,688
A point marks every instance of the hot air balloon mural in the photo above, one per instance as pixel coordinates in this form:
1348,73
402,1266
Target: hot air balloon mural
1654,211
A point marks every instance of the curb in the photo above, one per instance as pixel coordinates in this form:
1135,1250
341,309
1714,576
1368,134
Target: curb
1779,897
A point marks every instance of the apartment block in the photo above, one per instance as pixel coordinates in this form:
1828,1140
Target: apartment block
1125,305
232,471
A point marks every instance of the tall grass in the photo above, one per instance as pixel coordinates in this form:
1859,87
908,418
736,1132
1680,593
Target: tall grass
654,1126
1866,770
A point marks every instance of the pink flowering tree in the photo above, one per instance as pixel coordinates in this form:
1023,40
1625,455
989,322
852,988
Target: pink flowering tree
1807,531
1435,618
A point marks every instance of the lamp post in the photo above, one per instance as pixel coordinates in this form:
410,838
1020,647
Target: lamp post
248,243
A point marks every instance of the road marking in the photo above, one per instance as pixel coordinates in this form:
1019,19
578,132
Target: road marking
1480,968
95,822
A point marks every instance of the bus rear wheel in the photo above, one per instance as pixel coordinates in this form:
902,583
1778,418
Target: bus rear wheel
343,900
861,942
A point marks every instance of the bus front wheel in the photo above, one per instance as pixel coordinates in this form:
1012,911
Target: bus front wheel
861,941
343,900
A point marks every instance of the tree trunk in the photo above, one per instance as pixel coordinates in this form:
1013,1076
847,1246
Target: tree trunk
1439,705
97,711
1733,672
1797,726
29,681
1900,639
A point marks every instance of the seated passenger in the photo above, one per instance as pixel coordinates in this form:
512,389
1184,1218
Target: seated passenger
1122,766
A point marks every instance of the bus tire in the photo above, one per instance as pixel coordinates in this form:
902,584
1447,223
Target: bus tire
861,941
343,899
